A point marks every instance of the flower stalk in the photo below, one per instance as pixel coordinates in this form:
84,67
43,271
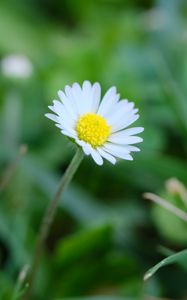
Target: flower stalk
49,217
167,205
9,171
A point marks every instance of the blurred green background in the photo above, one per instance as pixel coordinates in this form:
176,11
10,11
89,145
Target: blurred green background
105,235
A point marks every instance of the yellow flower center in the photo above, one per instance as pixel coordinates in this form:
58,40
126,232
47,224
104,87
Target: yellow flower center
93,129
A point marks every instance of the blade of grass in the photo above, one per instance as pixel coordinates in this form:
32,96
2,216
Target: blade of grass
180,256
170,207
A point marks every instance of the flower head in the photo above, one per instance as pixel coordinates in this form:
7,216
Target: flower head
16,66
100,127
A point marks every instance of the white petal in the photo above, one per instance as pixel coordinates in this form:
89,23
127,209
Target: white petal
96,157
87,149
109,99
86,87
132,148
124,156
68,121
79,142
68,103
133,140
112,106
57,105
123,123
52,108
87,95
63,123
131,131
96,89
113,148
63,114
69,134
74,98
106,155
77,91
52,117
122,107
118,151
69,129
65,126
121,111
84,145
122,137
78,98
58,125
77,87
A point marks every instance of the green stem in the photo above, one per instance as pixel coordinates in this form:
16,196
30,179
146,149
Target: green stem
49,217
9,171
167,205
20,287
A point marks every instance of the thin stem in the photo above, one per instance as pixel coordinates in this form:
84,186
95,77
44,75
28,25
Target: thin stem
170,207
8,173
19,287
49,217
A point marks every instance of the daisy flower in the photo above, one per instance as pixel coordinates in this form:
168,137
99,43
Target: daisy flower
16,66
100,127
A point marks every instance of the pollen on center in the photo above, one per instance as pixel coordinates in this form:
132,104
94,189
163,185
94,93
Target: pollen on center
93,129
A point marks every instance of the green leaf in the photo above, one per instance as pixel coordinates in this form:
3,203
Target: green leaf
180,257
84,242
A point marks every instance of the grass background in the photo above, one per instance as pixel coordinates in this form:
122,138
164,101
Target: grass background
105,235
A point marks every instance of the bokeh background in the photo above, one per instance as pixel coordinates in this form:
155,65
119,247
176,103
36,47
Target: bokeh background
105,235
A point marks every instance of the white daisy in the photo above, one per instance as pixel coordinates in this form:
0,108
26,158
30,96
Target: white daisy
16,66
99,127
